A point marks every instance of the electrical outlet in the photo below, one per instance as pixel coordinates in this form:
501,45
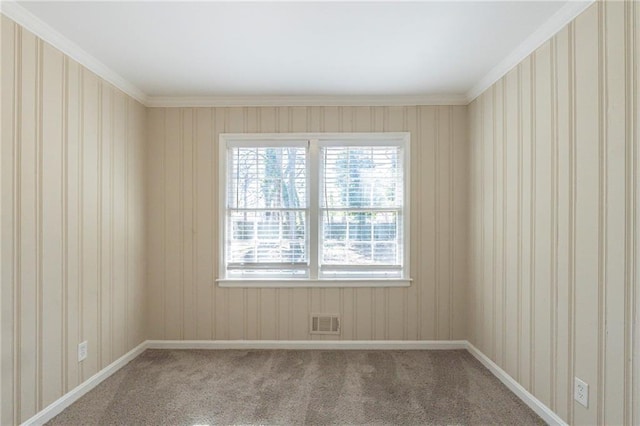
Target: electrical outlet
581,392
83,351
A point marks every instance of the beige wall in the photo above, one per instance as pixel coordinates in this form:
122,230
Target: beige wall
185,303
72,223
554,216
543,191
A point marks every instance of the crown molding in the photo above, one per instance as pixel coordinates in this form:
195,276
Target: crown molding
28,20
338,100
551,27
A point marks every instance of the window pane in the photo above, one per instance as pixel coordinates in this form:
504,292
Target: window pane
357,208
361,177
360,238
267,178
384,253
267,237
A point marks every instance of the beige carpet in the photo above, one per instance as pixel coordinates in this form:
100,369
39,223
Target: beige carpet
189,387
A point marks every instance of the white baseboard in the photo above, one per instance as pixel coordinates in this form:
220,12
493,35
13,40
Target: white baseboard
76,393
309,344
534,403
69,398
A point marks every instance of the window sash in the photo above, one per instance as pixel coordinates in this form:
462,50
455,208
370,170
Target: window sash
232,265
339,158
266,265
398,241
254,169
257,238
314,269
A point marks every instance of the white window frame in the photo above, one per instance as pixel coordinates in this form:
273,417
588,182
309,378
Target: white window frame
314,141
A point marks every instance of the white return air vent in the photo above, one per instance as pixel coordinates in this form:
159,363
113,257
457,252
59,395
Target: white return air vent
325,324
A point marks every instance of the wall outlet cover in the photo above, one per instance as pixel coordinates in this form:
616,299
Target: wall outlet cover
581,392
83,351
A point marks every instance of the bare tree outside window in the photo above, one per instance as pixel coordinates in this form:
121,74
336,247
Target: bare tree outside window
268,189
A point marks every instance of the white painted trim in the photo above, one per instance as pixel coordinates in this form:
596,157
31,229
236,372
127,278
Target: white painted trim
29,21
72,396
314,141
551,27
314,283
326,138
534,403
337,100
555,23
310,344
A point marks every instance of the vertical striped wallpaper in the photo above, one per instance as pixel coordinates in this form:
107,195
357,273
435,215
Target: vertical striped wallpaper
182,246
524,226
72,223
554,218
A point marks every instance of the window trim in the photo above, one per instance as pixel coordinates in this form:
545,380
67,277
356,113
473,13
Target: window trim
314,141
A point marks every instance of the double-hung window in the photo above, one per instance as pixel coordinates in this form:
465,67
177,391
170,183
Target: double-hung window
314,209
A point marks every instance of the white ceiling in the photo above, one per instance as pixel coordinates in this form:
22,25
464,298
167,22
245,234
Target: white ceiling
182,49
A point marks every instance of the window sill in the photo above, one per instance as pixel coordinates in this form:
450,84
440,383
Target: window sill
306,283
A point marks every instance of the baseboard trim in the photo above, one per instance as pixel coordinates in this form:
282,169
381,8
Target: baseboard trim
76,393
72,396
310,344
534,403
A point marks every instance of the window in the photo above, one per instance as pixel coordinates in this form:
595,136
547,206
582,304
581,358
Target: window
314,209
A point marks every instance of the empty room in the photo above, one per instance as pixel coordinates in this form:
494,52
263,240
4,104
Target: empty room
366,212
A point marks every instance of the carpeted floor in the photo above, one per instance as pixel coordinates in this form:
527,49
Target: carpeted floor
198,387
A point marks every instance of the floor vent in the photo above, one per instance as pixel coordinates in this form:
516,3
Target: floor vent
325,324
